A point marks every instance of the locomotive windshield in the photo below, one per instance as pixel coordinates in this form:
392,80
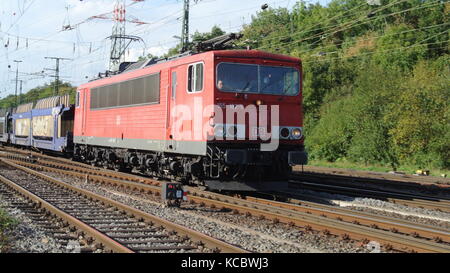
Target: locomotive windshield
249,78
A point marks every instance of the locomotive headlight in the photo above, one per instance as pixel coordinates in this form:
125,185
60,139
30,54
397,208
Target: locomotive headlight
284,132
232,130
296,133
219,130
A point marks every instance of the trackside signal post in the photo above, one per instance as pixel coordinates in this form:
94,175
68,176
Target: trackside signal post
172,194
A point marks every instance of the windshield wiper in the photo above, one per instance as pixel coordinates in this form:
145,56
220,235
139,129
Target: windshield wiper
246,85
287,89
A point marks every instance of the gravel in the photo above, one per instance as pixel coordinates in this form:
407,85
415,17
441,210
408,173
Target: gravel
370,205
247,232
383,206
27,237
98,214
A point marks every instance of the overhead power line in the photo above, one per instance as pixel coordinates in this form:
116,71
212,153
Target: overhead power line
374,37
345,26
383,51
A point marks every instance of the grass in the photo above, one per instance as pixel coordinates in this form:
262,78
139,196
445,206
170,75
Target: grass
344,164
6,223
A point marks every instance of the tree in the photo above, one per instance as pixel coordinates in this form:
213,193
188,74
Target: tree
196,38
38,93
361,101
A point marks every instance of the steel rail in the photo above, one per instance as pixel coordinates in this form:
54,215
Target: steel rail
43,155
369,176
443,205
98,236
397,198
324,224
367,219
308,171
208,241
381,192
301,219
83,168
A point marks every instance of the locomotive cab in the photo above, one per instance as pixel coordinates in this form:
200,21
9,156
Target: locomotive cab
258,131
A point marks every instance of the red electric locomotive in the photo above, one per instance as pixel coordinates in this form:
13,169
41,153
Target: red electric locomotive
226,119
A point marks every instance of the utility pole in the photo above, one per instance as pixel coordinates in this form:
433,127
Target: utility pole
17,78
20,92
119,40
56,86
185,30
117,43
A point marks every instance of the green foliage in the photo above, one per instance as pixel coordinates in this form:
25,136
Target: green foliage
375,78
270,30
200,37
195,38
375,81
6,223
38,93
421,126
332,135
370,141
146,57
399,42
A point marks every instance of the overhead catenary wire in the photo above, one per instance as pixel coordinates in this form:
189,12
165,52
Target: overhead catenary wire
359,39
345,28
401,32
21,15
341,28
311,28
380,51
164,21
83,46
35,40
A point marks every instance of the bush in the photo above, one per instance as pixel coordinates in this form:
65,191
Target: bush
332,135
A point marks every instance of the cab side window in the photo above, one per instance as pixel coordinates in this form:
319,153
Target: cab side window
195,78
77,99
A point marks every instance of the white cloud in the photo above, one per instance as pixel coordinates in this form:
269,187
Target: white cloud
45,18
88,8
134,53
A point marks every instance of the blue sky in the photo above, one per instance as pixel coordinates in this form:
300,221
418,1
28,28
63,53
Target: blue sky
31,30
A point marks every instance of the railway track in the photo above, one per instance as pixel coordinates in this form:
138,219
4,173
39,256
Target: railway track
363,218
402,180
390,233
420,201
395,186
67,164
52,226
412,200
115,226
